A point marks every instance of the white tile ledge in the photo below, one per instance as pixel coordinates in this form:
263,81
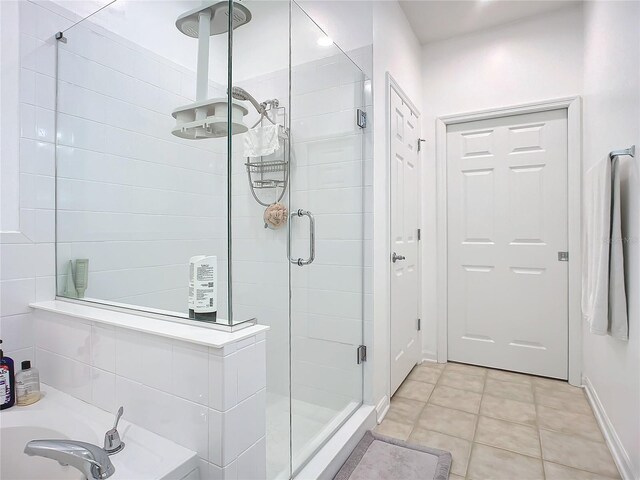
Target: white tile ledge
164,328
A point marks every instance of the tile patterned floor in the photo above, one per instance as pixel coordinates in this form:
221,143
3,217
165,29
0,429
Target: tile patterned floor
500,425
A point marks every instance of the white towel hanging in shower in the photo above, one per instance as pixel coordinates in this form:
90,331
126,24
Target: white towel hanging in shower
604,304
262,141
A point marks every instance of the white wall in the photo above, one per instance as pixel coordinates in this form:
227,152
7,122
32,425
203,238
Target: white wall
537,59
395,50
612,121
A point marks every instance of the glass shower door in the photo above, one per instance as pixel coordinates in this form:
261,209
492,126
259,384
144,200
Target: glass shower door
326,244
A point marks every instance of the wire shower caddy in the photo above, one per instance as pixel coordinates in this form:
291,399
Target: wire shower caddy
270,173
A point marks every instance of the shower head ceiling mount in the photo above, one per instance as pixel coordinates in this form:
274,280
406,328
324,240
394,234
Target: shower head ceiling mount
189,22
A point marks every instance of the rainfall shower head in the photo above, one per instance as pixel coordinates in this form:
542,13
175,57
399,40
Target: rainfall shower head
241,94
189,22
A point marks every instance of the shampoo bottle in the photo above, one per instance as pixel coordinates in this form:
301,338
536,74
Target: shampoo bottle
27,384
7,382
203,288
82,276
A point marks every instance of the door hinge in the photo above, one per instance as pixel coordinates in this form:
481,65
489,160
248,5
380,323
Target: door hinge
419,324
362,354
420,140
563,256
419,234
361,118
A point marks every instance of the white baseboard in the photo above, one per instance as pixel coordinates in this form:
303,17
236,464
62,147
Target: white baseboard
428,356
382,408
620,455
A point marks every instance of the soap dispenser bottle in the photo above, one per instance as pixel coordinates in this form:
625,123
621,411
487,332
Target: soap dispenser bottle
7,382
27,384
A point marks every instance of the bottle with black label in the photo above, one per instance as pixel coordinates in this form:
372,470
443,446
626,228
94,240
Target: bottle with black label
7,382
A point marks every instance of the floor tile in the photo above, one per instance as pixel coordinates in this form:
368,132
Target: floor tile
562,401
510,410
553,471
466,369
425,374
495,464
404,410
456,399
438,366
578,453
394,429
415,390
458,447
449,421
556,385
513,391
508,436
569,422
473,383
455,477
513,377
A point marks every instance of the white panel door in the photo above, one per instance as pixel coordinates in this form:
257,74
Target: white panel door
507,221
405,346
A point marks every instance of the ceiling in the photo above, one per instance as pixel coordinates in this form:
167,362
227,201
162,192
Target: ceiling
440,19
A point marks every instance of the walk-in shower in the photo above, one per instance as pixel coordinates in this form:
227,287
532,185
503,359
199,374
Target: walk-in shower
232,136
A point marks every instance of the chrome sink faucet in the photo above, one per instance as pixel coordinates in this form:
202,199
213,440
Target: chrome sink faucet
90,459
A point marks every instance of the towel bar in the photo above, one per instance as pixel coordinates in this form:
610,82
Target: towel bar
631,151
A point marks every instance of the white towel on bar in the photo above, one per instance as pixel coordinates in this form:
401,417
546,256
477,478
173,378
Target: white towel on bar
618,320
262,141
604,304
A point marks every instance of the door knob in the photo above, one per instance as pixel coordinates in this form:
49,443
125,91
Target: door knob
395,257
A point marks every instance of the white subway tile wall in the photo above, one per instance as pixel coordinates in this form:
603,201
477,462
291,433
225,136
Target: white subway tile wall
169,387
28,263
134,199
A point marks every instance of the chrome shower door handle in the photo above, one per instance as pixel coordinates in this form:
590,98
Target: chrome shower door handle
395,257
312,239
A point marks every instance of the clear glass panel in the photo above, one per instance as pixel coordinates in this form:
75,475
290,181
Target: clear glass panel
260,266
327,183
133,198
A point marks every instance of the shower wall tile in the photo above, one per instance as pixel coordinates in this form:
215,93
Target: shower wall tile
123,177
64,373
203,398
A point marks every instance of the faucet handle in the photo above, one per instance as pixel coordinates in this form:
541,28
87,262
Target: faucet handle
112,442
118,415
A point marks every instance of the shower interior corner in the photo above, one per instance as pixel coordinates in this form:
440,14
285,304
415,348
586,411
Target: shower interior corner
152,170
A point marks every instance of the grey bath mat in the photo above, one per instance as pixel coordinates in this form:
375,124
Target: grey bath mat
377,457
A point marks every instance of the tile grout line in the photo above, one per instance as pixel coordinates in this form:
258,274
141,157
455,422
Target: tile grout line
535,406
475,432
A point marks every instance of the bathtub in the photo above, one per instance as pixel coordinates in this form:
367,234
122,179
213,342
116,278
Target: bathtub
58,415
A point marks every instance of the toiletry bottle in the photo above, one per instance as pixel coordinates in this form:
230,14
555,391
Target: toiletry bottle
203,288
27,384
82,276
7,382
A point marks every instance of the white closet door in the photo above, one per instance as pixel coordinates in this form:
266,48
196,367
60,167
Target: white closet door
405,345
507,221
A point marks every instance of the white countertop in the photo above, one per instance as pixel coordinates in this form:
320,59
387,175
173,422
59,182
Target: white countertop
204,335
